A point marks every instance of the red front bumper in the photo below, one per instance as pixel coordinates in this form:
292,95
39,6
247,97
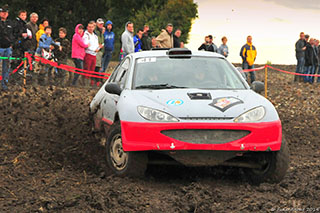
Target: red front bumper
147,136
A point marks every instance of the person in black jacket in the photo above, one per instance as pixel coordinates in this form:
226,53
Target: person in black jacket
308,65
208,45
20,31
21,37
146,39
6,42
62,53
300,47
318,47
176,39
315,59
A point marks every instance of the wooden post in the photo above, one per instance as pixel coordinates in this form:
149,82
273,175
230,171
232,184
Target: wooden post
266,81
25,73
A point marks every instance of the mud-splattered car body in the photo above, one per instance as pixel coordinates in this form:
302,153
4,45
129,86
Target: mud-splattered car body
193,106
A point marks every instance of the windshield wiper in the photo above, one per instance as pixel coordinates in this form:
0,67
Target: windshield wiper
158,86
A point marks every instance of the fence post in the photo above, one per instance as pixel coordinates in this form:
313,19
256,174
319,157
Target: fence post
266,81
25,73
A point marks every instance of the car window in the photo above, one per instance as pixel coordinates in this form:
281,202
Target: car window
122,72
114,74
194,72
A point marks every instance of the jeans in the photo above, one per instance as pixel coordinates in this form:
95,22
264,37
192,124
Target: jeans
5,52
309,70
106,59
300,68
246,66
314,69
79,64
318,80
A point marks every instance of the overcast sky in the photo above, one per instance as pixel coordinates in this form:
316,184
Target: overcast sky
274,25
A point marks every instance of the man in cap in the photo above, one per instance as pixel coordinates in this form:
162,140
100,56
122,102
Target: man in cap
99,31
6,42
165,38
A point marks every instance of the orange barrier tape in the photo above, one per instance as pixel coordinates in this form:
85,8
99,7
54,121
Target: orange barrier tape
292,73
72,69
95,74
255,69
283,71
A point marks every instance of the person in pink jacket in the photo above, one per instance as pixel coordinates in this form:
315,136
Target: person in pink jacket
78,50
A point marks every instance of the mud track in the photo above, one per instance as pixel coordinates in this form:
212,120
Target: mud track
50,161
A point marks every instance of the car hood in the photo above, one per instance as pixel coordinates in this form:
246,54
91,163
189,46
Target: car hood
194,104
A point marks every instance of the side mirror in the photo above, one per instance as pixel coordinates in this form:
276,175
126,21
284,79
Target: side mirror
257,86
113,88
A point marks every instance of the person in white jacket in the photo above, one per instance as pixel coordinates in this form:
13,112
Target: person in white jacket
91,39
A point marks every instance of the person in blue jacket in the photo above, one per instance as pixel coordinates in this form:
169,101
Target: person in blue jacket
108,45
137,41
45,43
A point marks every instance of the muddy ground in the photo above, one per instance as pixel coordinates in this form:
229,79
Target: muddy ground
51,162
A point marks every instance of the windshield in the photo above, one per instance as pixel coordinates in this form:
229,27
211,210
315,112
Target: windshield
194,72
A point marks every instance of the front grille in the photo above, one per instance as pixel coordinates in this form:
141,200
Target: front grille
206,136
206,118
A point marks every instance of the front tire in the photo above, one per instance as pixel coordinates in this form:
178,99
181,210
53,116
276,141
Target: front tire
274,166
123,163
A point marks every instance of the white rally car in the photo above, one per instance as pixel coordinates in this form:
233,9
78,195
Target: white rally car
191,108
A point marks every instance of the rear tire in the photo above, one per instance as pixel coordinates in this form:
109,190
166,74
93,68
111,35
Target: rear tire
275,165
121,163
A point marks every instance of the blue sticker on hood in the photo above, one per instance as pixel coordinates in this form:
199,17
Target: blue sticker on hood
175,102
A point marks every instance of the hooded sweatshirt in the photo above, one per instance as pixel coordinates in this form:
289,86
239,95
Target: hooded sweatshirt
78,45
108,38
127,41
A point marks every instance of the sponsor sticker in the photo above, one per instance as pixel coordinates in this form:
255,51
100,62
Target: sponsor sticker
175,102
146,60
225,103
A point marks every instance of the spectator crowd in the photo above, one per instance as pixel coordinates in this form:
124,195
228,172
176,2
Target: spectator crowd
92,47
308,58
248,52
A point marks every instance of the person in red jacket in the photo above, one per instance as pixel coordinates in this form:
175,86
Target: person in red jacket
78,50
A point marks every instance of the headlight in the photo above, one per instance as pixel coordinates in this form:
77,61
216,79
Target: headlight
155,115
255,114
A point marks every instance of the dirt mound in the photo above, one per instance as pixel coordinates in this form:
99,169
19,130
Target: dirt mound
50,161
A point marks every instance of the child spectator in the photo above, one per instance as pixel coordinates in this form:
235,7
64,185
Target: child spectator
46,44
42,26
223,49
62,55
